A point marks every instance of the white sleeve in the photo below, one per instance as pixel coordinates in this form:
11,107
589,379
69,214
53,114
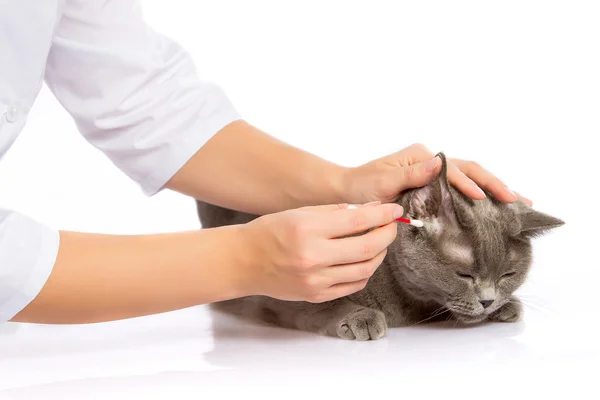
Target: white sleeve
134,94
28,252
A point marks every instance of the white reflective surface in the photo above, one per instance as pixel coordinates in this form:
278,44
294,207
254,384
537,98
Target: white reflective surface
193,352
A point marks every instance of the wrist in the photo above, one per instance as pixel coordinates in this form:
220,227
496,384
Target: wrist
245,261
318,184
339,178
351,191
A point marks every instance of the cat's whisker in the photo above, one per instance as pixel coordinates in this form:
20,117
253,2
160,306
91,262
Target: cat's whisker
533,308
537,299
443,311
436,313
542,306
529,306
439,309
539,309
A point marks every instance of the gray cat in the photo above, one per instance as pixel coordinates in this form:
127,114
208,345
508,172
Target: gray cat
464,264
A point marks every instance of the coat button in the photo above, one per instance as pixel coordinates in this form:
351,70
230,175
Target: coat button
12,113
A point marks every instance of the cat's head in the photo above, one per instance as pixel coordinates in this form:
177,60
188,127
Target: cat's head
471,255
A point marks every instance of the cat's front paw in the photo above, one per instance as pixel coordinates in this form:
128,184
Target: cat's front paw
362,324
509,312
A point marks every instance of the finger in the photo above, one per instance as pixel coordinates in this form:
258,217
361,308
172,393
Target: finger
355,249
413,154
343,289
346,273
325,208
347,222
334,207
463,183
524,199
420,174
486,181
370,204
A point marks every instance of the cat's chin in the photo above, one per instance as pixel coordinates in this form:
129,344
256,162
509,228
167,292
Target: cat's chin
469,319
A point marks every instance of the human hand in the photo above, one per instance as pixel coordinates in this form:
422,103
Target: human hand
386,178
303,254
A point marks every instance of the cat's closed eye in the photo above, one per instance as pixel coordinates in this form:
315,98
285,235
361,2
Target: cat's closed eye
508,275
468,277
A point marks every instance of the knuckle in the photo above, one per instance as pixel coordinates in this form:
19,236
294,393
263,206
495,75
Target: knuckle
367,270
297,231
358,222
473,165
418,146
366,250
309,282
315,298
304,260
410,173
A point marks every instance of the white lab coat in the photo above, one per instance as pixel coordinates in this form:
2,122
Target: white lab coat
133,94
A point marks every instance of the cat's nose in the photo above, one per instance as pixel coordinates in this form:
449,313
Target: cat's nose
486,303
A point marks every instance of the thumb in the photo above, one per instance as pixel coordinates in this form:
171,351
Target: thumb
420,174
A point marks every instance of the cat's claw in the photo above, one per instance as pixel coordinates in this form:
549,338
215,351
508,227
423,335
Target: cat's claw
362,324
510,312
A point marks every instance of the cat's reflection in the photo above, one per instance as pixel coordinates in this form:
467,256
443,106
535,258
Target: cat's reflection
251,354
241,344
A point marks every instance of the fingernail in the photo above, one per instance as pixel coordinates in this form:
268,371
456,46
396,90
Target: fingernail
432,164
479,189
398,212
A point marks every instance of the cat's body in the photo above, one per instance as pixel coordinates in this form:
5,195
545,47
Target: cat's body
464,264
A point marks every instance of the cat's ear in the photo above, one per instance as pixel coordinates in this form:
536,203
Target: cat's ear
534,223
434,200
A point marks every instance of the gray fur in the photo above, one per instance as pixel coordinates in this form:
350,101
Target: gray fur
427,272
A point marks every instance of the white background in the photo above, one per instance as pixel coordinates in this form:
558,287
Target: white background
513,85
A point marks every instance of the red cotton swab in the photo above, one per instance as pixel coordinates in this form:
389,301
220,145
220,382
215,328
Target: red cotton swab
414,222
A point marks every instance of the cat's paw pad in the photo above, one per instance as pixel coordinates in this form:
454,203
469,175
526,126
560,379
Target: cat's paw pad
363,324
510,312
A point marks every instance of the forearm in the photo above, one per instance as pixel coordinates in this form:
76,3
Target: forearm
103,277
245,169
